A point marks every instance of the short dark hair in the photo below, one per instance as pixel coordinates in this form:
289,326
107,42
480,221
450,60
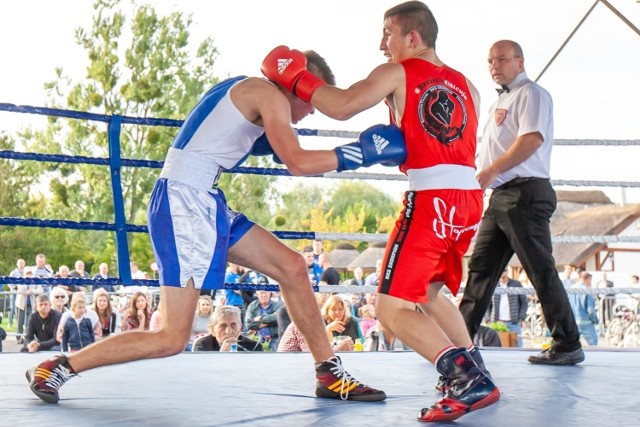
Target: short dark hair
319,67
415,15
42,297
307,249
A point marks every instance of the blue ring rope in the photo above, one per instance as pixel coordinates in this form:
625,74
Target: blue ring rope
115,163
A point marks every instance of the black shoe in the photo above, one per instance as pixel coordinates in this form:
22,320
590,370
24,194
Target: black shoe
557,358
443,384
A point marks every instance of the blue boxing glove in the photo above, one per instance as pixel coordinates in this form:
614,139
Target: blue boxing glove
378,144
262,147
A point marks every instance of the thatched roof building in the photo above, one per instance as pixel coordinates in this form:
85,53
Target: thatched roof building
343,255
367,259
606,220
586,213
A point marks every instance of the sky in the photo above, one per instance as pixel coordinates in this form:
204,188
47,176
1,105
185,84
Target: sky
594,80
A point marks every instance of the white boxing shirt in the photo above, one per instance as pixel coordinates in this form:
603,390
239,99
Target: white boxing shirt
216,129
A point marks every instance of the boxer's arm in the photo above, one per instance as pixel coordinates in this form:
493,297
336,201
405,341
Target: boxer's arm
342,104
275,110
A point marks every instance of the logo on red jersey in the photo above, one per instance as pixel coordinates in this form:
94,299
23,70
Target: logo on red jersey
442,113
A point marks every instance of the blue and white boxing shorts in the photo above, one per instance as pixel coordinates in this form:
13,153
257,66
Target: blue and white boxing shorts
190,225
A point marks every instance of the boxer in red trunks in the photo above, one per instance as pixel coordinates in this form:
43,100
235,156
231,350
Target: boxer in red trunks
436,109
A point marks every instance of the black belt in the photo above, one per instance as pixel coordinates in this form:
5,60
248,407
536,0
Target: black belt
519,181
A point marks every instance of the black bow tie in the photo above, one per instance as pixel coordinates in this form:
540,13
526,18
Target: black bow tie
503,89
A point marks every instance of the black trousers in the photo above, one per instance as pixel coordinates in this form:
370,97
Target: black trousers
517,220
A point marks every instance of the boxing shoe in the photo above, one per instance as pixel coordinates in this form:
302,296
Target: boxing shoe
550,356
470,389
443,383
46,378
334,382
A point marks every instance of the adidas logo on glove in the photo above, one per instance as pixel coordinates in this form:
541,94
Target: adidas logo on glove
283,64
380,143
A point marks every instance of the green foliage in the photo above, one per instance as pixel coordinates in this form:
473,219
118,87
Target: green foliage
357,196
348,207
252,195
138,64
141,64
498,326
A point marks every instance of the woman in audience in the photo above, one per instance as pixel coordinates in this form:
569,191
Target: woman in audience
201,319
59,299
204,310
138,316
367,318
156,318
381,339
104,310
339,324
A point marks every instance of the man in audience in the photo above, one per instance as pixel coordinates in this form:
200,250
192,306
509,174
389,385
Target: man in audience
42,327
510,309
103,273
225,329
314,270
25,302
79,270
16,272
318,248
329,274
136,273
358,278
233,297
374,278
64,273
41,270
261,318
584,309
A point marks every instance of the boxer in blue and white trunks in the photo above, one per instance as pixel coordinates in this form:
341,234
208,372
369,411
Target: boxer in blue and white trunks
194,233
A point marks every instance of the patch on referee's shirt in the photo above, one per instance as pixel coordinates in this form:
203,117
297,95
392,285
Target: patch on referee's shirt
501,114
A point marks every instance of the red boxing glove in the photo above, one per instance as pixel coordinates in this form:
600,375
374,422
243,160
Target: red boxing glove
288,68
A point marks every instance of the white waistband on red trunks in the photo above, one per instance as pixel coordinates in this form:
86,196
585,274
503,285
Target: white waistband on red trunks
443,177
191,168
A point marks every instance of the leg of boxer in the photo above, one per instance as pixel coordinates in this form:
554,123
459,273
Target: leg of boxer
260,250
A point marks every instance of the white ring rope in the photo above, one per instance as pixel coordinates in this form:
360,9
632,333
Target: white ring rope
372,237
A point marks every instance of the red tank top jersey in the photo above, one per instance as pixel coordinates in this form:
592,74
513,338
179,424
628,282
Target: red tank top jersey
440,122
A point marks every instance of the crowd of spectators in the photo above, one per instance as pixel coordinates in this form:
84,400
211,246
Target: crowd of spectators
67,317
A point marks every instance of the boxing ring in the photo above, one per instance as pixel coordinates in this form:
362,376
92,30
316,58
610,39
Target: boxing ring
277,388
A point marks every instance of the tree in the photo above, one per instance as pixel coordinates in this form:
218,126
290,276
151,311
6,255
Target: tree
362,196
349,207
146,69
14,200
